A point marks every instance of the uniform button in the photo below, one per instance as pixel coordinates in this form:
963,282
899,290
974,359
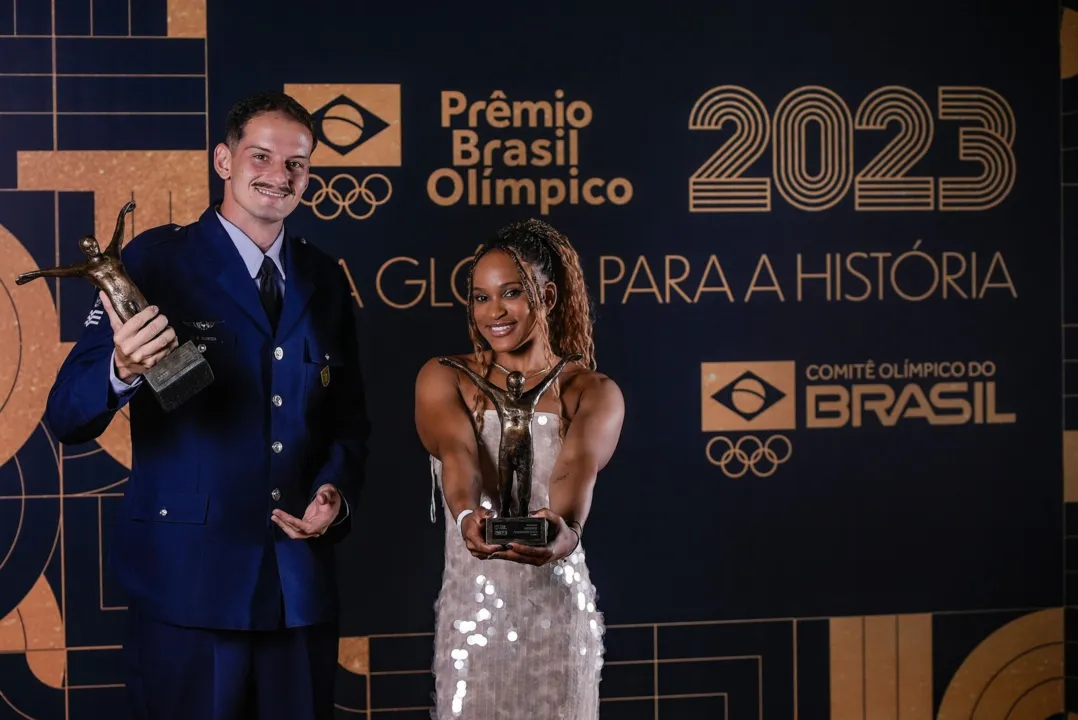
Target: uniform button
277,400
276,494
303,241
278,353
201,348
277,447
162,512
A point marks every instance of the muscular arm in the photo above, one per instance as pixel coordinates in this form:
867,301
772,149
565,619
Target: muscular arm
589,444
118,234
445,429
65,271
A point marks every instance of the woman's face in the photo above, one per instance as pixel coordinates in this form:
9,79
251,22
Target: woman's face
500,302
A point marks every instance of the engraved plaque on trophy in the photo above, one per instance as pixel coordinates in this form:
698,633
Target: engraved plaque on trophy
179,375
515,412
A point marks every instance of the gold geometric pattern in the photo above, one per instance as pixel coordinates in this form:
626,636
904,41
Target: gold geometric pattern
354,655
35,626
167,185
1014,674
382,149
186,18
30,353
1070,466
1068,44
881,667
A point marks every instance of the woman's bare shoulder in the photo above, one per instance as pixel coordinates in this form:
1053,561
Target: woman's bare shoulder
587,388
438,381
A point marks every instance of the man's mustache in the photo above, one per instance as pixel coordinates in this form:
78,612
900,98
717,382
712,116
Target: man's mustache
275,188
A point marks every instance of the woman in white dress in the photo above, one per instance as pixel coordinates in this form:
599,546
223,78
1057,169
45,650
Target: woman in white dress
518,633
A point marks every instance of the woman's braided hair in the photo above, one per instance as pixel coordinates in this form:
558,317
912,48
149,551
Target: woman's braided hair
567,328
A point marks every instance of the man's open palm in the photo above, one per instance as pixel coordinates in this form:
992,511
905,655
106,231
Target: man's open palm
320,514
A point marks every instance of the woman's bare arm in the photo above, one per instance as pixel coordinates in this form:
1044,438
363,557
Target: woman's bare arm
446,431
589,444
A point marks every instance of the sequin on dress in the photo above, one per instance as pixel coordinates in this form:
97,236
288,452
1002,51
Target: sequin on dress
516,641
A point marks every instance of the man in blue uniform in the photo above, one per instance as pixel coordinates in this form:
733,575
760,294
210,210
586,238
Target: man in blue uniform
236,498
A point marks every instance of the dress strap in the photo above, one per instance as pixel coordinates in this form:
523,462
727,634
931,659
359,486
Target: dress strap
433,518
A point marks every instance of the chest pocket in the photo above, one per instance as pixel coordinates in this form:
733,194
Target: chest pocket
323,358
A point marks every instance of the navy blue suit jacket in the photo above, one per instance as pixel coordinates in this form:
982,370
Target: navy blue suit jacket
195,543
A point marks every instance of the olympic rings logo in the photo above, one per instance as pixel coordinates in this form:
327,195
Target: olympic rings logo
747,454
357,191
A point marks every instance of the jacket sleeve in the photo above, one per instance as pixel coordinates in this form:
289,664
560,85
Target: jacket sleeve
83,400
345,467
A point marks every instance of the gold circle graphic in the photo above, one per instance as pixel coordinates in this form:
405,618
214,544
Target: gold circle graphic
344,126
1015,674
354,190
30,352
748,395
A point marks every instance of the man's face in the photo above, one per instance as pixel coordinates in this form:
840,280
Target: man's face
268,170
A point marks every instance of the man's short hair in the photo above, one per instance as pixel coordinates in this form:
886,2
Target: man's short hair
247,108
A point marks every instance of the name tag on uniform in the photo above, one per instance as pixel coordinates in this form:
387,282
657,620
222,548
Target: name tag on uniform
325,376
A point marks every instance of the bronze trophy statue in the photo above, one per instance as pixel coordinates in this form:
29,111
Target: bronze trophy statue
515,411
182,373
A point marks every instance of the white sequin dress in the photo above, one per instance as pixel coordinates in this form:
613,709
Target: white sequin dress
516,641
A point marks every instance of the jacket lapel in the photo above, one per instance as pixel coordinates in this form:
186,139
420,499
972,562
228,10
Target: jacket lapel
299,282
231,273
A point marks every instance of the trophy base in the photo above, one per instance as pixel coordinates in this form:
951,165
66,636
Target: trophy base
523,530
180,375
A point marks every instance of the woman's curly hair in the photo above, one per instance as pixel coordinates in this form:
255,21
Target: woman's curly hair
567,328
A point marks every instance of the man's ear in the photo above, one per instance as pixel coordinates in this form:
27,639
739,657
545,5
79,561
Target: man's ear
222,161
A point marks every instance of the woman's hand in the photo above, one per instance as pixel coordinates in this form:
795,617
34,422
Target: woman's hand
562,545
473,529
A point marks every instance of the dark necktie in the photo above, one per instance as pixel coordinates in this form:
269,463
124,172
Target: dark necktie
270,291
